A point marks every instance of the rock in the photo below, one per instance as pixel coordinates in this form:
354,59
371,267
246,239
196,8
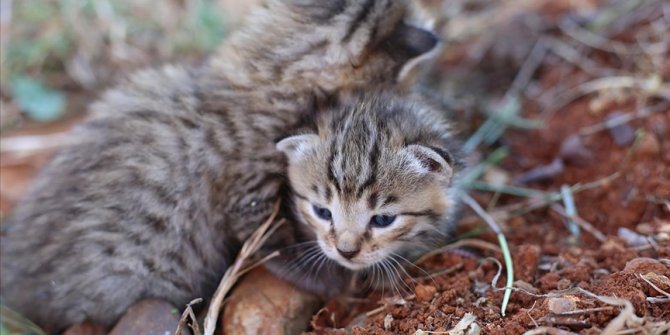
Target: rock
526,286
388,322
149,317
564,284
85,328
542,172
264,304
561,305
496,176
632,238
623,134
425,292
644,265
526,261
573,151
649,146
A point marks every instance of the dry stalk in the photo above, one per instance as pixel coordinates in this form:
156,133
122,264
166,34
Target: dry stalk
29,144
625,118
530,316
651,86
442,272
239,268
186,315
376,310
548,330
663,299
579,221
474,243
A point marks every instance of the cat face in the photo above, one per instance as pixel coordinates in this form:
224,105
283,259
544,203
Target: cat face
330,44
375,180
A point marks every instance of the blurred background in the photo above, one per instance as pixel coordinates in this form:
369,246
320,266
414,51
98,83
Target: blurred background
58,55
55,51
550,95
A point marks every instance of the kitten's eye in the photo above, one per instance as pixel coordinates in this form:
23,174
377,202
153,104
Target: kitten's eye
323,213
381,221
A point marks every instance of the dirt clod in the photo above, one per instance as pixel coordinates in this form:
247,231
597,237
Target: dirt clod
425,292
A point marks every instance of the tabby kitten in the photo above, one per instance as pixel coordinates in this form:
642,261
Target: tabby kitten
176,167
375,182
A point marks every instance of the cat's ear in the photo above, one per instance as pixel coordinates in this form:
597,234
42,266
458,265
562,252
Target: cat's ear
428,160
406,42
298,146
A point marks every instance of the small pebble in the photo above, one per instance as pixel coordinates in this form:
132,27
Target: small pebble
85,328
561,305
496,176
425,292
632,238
526,287
623,134
649,146
388,320
542,172
573,151
644,265
563,284
151,317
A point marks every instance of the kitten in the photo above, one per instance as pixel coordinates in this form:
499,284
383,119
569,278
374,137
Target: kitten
375,182
176,167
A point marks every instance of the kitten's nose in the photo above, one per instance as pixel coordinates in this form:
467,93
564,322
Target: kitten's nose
348,254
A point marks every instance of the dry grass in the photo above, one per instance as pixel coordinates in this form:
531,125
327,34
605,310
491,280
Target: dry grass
76,47
240,267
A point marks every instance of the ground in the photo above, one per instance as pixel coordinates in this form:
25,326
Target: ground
565,109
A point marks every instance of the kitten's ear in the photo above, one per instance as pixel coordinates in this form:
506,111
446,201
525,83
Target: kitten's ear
427,160
298,146
406,42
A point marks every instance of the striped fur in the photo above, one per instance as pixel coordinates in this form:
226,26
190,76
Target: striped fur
377,153
177,166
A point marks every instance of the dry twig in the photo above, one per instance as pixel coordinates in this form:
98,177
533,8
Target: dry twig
239,268
579,221
186,315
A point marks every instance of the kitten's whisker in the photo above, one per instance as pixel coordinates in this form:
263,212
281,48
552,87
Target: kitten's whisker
418,268
402,283
297,245
308,266
383,275
326,261
311,264
304,259
322,260
402,268
382,266
370,276
376,276
288,266
392,278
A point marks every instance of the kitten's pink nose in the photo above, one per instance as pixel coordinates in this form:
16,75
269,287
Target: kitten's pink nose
348,254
